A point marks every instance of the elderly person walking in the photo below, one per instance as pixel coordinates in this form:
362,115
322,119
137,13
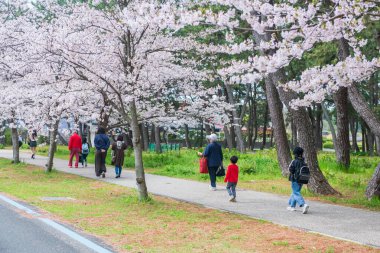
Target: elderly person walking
214,155
102,143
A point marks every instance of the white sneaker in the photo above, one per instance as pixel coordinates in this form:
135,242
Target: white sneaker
289,208
305,209
212,188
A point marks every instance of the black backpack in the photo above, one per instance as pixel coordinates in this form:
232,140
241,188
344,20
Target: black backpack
303,174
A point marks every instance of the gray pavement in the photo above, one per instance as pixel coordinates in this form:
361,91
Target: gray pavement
25,233
345,223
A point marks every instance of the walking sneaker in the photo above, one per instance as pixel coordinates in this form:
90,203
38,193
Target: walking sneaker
305,209
233,199
289,208
212,188
103,175
85,165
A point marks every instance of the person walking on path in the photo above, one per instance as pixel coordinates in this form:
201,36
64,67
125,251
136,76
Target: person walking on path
102,143
118,149
85,152
294,169
75,147
232,177
214,155
33,143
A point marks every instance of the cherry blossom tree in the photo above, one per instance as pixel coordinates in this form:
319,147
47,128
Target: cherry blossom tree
283,32
127,54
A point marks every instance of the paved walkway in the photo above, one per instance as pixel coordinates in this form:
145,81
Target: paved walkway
337,221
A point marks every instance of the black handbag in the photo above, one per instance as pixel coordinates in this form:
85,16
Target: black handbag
220,172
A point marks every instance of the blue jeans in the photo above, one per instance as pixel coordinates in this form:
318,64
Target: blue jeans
118,170
212,173
296,196
231,189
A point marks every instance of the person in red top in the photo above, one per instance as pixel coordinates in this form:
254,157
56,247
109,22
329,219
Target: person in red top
232,177
75,147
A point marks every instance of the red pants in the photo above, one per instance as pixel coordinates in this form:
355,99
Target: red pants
75,152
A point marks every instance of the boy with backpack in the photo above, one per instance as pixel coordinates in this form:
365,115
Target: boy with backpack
299,175
85,152
232,177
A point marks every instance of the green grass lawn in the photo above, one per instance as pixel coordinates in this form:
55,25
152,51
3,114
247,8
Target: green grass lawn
114,214
260,171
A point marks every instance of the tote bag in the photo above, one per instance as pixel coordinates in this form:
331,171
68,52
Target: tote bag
203,165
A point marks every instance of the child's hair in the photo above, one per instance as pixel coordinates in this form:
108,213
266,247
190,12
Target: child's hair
298,152
234,159
84,140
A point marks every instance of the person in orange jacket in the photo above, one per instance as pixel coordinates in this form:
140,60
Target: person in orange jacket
75,147
232,178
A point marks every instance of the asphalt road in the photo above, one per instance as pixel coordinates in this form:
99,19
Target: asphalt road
21,232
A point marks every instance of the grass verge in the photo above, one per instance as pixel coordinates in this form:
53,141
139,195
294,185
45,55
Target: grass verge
114,214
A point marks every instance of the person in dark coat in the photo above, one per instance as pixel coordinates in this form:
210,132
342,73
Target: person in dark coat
118,149
102,143
214,155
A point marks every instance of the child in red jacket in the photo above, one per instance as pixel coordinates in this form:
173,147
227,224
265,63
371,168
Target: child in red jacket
232,177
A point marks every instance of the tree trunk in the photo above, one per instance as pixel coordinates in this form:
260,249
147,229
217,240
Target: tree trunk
202,134
354,130
137,146
373,188
263,144
342,145
361,107
141,125
318,183
255,134
294,132
145,134
377,145
187,138
15,146
208,129
228,138
236,121
52,147
255,120
233,136
152,134
2,132
329,121
250,126
364,137
278,123
157,139
318,127
371,140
